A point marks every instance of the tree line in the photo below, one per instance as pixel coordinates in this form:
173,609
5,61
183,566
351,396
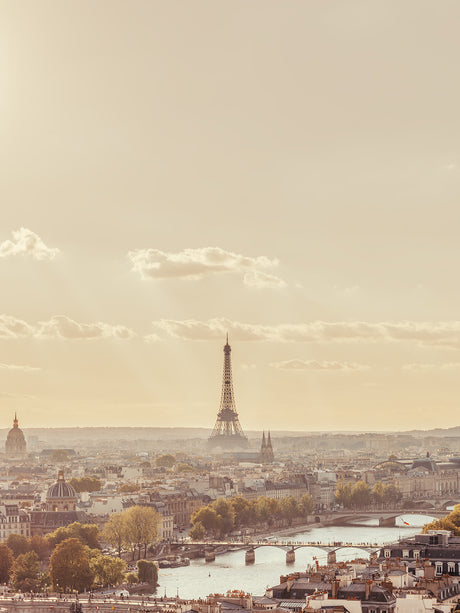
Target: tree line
223,516
450,522
75,559
359,495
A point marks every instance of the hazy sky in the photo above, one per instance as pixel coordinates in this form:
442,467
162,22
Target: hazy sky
288,172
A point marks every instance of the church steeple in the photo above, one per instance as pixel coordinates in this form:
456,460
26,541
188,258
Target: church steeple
15,422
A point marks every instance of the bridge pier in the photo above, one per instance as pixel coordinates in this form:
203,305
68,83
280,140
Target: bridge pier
250,556
290,556
331,557
387,522
209,555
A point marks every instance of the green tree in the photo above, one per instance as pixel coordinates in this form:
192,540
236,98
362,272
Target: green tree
86,484
40,545
391,494
343,493
244,511
361,494
128,488
18,544
70,566
226,515
132,578
141,527
289,508
165,461
25,573
208,517
107,570
263,509
442,524
115,530
378,492
87,534
147,572
306,505
6,562
197,531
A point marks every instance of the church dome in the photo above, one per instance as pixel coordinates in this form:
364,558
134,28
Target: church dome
15,445
61,489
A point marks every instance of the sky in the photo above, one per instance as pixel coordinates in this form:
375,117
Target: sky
287,172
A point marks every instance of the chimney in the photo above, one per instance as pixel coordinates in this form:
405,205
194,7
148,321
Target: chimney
335,587
368,589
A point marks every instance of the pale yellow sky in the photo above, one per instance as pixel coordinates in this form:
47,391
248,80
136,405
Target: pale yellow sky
288,172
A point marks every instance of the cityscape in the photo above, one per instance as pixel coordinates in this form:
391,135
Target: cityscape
229,334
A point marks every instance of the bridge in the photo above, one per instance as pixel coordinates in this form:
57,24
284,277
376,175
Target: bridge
386,518
211,548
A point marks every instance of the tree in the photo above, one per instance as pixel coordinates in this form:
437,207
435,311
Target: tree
147,572
166,461
263,509
40,545
86,484
361,494
226,515
59,455
128,488
343,493
70,566
132,578
243,509
6,562
141,527
18,544
306,505
107,570
442,524
289,508
391,494
25,573
114,531
87,534
378,492
208,517
197,531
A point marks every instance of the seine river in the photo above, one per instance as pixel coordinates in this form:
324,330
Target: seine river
229,571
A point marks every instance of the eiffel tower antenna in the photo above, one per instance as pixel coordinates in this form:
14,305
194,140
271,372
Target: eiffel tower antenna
227,432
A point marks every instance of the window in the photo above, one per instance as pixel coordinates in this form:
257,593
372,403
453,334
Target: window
405,553
387,553
438,568
451,567
416,554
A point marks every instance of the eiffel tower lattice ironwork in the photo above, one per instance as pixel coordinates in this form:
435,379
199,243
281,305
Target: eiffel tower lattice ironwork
227,432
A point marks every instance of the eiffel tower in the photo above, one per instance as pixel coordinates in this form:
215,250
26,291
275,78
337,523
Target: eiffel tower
227,432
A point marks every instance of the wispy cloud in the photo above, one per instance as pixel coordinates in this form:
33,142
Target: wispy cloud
436,334
62,327
296,364
26,242
19,367
420,367
194,264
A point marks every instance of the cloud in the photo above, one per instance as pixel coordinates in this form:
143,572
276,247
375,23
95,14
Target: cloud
440,334
62,327
261,280
27,242
194,264
19,367
296,364
65,328
418,367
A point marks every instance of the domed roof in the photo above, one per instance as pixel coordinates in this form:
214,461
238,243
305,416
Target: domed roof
15,441
61,489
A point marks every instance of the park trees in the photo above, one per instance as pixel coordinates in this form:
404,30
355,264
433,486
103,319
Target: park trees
114,531
141,527
147,572
18,544
70,566
6,562
197,531
166,461
361,494
343,493
87,534
107,570
25,574
306,505
40,545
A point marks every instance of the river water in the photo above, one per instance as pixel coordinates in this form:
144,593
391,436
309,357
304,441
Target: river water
230,572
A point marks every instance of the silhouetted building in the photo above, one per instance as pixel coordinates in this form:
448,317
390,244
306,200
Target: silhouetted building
15,445
266,450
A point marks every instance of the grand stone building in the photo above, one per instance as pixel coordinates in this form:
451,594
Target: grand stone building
15,445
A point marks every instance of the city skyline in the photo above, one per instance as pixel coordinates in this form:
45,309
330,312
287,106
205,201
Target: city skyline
288,174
